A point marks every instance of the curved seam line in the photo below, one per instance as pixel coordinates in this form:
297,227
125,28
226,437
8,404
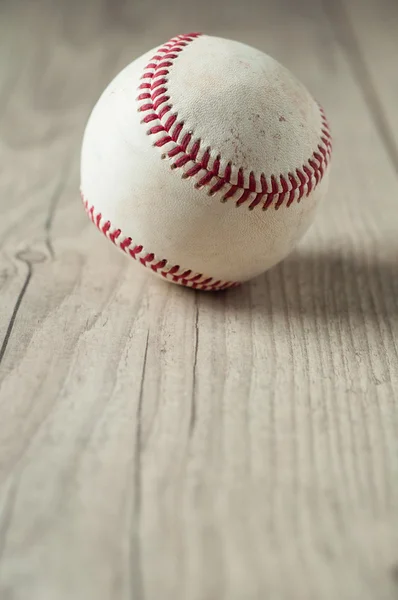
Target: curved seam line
174,273
179,144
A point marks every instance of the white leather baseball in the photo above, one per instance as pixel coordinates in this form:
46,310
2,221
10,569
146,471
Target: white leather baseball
205,160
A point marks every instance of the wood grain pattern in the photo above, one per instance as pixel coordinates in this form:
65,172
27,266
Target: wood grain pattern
161,443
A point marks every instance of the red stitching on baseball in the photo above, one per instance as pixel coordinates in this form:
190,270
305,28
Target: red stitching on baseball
230,193
195,149
148,258
204,180
158,92
155,129
176,132
113,237
145,107
174,273
149,118
163,141
160,101
177,150
274,190
216,165
241,179
126,243
156,84
185,141
309,182
136,250
217,186
180,162
170,122
164,110
243,198
252,182
205,158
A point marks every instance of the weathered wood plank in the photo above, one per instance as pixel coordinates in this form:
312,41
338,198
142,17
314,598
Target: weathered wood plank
157,442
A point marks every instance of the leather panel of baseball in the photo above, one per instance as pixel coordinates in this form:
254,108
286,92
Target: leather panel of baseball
227,186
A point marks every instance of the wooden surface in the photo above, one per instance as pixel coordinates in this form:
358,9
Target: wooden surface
157,443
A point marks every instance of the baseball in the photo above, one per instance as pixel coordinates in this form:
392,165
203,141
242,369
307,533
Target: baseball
204,160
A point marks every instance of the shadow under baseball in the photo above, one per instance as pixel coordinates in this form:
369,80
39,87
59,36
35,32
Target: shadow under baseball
323,285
